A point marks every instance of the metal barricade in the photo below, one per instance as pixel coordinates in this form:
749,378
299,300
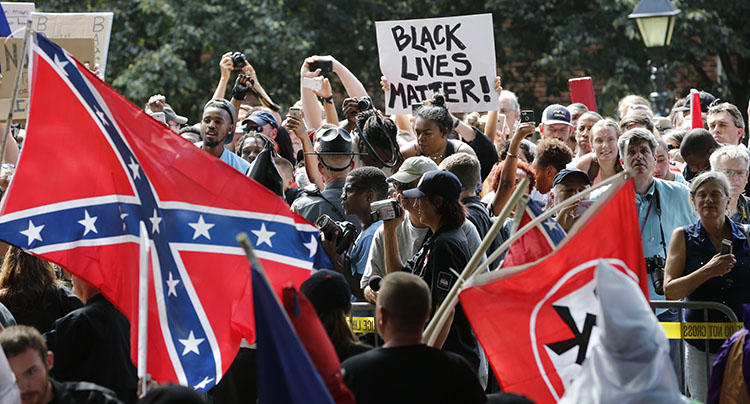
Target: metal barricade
706,330
363,324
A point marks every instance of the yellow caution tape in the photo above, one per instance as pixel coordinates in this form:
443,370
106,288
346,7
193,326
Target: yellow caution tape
676,330
362,324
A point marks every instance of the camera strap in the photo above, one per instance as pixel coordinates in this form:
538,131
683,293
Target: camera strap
657,210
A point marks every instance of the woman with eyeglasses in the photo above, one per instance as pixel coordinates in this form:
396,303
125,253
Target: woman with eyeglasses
708,261
733,161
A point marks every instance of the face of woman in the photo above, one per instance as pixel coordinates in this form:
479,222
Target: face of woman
662,162
427,212
605,144
710,200
583,132
431,140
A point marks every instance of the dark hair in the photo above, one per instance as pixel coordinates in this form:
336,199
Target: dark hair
452,212
636,118
525,150
337,327
16,339
370,179
697,142
435,110
26,282
553,152
379,130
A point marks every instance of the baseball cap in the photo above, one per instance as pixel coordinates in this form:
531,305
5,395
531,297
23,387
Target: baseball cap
225,105
556,113
172,116
706,100
437,182
412,169
327,290
568,172
262,118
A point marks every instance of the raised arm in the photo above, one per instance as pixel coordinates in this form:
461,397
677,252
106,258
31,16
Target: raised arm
351,83
490,129
297,127
313,113
225,66
508,177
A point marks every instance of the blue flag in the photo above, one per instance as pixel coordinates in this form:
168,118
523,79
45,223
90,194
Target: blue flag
286,373
4,26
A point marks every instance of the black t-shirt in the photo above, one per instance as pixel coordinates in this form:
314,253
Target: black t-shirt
440,253
485,150
93,344
81,393
411,374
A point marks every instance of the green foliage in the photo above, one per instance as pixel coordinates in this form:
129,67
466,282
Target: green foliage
174,47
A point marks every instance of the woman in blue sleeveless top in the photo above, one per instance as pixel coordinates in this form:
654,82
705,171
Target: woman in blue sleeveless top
697,270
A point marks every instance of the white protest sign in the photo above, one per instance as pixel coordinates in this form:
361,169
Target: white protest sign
17,14
454,56
78,25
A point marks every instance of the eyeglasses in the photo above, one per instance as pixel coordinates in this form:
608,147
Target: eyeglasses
735,173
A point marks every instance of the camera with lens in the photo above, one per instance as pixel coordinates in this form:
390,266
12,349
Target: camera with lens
365,103
239,60
655,268
385,210
347,232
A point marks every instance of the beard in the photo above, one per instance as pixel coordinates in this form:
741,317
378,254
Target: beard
211,143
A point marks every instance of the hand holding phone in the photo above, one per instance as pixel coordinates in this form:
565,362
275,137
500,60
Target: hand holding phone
726,247
325,65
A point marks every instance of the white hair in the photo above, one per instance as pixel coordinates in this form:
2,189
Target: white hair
730,152
512,97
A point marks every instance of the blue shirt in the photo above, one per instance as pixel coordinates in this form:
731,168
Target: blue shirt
361,249
673,210
235,161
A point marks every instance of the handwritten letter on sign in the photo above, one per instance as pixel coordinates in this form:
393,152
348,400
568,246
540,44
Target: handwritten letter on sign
454,56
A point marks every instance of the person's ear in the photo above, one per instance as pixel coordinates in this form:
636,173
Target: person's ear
50,360
370,196
550,171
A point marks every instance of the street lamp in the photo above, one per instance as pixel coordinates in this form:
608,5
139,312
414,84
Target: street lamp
655,20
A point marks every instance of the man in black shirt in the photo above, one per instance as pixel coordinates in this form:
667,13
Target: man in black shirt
466,168
93,344
30,361
404,369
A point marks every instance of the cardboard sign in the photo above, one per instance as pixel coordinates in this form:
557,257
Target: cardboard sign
17,14
11,60
78,25
454,56
582,90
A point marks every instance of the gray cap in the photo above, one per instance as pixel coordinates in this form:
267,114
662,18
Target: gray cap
412,169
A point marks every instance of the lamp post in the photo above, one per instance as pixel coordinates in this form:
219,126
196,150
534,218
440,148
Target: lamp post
655,20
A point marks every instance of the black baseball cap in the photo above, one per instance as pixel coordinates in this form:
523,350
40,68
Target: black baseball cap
327,290
568,172
436,182
706,100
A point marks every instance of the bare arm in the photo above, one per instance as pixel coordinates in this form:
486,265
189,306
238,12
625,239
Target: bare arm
490,129
297,127
310,106
351,83
11,147
392,257
225,66
677,285
508,177
326,93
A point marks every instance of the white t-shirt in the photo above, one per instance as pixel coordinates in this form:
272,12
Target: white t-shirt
409,239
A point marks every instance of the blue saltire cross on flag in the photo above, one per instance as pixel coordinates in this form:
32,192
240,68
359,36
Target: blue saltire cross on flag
94,165
537,242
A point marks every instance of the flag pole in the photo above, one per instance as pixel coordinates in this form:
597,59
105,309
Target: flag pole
436,323
143,308
9,120
549,212
450,300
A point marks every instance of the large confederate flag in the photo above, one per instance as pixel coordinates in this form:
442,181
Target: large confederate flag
94,165
537,325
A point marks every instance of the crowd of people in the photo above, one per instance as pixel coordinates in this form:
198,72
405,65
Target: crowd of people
402,202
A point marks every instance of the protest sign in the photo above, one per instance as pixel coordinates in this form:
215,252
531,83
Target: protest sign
17,14
11,60
78,25
454,56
